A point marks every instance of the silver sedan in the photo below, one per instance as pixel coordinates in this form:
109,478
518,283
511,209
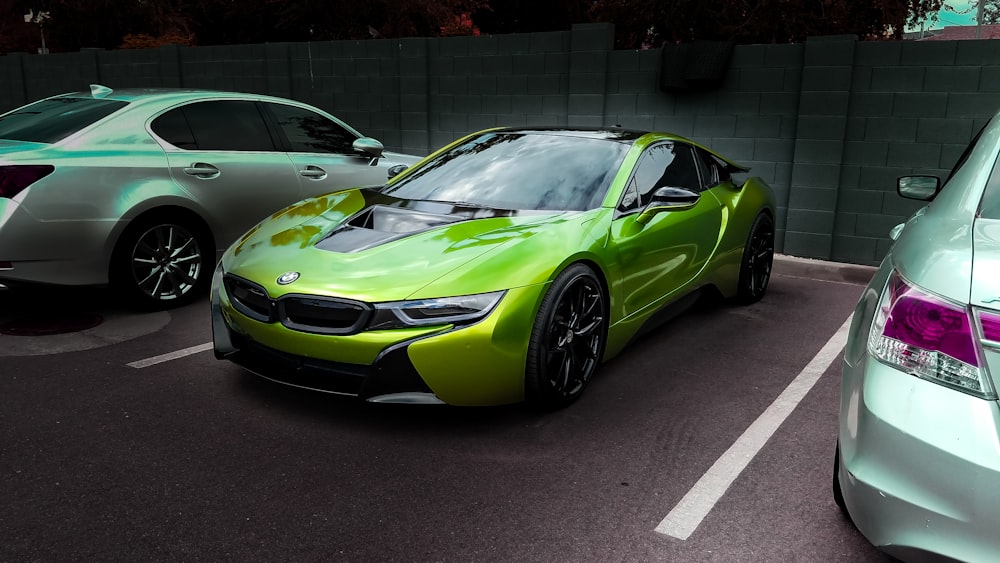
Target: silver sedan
917,467
142,188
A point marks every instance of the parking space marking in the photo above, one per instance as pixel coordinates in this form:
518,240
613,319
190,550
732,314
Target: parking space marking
682,521
139,364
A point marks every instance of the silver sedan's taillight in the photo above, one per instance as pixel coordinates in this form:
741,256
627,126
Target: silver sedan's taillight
930,337
15,178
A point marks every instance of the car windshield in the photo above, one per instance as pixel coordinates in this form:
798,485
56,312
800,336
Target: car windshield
50,121
519,170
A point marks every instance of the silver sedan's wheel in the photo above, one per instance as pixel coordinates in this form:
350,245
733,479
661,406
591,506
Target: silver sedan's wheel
162,263
567,341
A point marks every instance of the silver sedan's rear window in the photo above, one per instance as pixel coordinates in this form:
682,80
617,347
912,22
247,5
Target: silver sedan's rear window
50,121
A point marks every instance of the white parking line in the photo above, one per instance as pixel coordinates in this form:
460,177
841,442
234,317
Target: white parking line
170,356
698,502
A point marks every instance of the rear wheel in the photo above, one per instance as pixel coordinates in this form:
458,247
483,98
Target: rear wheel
567,340
162,263
758,256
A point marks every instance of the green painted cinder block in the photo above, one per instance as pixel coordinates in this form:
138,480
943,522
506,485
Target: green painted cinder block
807,245
857,250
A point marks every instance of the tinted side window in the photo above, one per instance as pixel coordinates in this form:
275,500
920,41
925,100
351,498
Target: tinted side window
50,121
681,172
665,164
228,125
173,128
713,172
308,131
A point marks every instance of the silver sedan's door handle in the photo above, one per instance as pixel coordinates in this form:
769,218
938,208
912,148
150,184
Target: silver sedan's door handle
313,172
202,170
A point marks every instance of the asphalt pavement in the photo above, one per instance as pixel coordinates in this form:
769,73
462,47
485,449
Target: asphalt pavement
190,458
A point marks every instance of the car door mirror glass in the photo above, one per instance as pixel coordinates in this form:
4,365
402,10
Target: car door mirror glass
923,188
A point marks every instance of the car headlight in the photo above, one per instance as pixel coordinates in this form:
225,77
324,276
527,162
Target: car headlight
464,309
930,337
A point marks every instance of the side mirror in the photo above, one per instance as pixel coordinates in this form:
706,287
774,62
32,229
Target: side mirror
396,170
668,199
368,147
923,188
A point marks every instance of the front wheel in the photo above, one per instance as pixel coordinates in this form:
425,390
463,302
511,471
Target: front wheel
567,339
758,256
162,263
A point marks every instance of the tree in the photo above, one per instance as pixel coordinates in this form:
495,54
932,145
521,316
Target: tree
519,16
990,10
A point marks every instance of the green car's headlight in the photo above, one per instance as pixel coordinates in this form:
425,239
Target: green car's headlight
464,309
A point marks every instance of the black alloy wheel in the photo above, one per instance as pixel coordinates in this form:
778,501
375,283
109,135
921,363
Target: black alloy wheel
758,257
567,340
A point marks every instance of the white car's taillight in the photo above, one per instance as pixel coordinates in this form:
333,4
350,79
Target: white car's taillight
929,337
15,178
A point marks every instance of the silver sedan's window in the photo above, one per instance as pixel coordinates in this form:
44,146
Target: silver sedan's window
529,171
308,131
50,121
222,125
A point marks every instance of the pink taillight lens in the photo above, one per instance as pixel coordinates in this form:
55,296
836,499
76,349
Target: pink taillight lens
14,179
991,326
928,336
929,323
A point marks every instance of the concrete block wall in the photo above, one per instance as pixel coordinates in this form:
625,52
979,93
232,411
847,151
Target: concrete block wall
830,123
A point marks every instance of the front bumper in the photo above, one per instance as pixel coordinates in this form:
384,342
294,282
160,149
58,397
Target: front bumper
920,464
475,365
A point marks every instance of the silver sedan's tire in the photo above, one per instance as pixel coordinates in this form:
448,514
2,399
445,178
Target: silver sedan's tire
162,263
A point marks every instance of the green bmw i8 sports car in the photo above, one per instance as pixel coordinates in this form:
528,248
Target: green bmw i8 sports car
504,267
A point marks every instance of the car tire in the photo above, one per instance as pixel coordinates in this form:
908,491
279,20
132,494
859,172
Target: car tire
838,493
758,257
161,263
567,339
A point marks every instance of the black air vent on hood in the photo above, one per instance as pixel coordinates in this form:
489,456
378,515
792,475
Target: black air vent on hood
380,224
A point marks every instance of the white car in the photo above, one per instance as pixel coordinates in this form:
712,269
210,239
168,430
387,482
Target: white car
142,188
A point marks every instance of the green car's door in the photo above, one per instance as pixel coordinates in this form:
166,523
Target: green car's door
664,254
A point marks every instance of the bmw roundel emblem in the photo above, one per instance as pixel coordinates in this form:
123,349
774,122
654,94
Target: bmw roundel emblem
287,278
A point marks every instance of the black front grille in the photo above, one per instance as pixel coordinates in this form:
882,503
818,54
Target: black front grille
249,298
305,313
323,315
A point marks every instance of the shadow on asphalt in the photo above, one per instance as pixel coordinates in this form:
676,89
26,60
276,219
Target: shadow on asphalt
395,417
40,300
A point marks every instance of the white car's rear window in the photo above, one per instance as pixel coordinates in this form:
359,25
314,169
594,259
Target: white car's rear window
54,119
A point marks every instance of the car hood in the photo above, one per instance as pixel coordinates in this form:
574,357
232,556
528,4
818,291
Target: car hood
985,282
363,245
